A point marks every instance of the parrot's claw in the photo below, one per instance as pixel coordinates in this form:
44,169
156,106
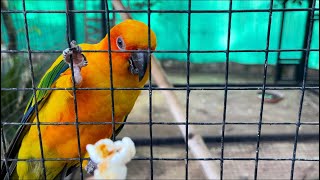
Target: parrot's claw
75,51
78,59
91,167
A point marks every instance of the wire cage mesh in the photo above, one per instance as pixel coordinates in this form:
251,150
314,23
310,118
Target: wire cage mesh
247,137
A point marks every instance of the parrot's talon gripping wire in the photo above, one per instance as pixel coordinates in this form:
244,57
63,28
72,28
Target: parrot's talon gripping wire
74,49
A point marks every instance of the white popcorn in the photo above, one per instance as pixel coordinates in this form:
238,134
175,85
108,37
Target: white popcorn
111,157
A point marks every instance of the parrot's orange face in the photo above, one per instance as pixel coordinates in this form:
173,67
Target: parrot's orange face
131,35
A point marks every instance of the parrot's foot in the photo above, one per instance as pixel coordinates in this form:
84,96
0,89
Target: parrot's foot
78,59
91,167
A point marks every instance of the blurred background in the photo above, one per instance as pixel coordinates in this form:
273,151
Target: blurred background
208,44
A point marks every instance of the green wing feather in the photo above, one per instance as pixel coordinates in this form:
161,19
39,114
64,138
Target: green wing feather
46,82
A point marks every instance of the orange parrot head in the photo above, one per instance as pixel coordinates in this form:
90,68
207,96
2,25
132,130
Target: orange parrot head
131,35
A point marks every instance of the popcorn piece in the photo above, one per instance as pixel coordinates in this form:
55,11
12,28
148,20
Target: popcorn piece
111,157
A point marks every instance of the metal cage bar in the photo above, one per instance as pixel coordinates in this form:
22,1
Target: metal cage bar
150,89
34,88
188,91
201,87
305,73
165,51
308,123
161,11
225,100
263,91
175,159
74,89
110,71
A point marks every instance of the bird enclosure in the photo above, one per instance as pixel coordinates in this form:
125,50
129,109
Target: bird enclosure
233,89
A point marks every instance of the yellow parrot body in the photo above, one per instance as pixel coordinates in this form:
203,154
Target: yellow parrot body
60,141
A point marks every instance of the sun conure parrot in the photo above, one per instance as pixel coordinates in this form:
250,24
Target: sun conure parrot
91,70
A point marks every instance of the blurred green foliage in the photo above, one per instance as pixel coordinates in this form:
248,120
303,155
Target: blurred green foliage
13,74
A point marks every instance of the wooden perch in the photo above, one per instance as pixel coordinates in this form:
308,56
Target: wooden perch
195,141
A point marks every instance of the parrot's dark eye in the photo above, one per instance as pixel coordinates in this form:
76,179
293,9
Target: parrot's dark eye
120,43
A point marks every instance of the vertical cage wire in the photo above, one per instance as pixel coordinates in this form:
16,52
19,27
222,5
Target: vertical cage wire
225,90
188,91
110,70
150,89
265,70
74,89
33,88
305,74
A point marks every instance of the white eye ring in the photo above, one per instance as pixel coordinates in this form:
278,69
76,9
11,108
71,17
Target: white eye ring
120,43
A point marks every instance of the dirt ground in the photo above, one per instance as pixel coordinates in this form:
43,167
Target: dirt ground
242,106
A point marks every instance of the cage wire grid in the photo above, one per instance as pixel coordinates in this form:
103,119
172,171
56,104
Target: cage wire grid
187,88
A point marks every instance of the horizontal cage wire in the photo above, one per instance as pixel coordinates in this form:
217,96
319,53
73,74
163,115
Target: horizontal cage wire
237,120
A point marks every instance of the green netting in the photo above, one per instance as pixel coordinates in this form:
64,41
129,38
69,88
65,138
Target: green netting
47,31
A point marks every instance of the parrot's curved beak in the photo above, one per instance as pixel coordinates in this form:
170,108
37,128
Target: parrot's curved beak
139,63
